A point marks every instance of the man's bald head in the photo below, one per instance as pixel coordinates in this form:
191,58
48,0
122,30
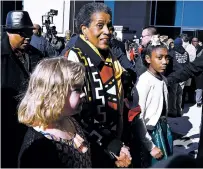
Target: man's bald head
37,29
147,34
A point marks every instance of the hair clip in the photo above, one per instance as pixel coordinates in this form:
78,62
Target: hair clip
155,41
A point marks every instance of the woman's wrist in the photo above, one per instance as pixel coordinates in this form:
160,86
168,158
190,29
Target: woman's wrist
153,146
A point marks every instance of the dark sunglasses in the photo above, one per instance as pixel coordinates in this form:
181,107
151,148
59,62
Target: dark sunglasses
24,33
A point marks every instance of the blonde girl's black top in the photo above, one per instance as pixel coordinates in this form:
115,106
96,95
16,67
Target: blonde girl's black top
37,151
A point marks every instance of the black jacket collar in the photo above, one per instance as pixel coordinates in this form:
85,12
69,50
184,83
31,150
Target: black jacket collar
87,50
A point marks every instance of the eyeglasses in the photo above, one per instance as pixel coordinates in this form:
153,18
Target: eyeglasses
144,36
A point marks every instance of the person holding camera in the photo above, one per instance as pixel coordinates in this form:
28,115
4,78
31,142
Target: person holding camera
57,42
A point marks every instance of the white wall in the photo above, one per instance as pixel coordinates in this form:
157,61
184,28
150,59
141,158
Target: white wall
37,8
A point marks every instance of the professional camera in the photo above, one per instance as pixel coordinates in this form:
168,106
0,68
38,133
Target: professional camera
47,20
53,12
51,33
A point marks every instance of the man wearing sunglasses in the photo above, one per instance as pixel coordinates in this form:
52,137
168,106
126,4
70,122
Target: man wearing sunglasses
17,61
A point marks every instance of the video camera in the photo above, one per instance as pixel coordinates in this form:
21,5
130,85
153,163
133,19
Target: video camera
53,12
47,20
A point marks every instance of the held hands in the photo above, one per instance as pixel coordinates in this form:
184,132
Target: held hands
156,153
124,160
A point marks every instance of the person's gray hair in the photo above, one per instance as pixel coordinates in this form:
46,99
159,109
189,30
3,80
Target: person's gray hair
86,12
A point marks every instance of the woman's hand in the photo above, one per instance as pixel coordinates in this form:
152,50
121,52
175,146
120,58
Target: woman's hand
156,153
124,160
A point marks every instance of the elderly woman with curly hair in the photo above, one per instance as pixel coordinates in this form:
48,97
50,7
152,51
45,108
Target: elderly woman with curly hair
104,92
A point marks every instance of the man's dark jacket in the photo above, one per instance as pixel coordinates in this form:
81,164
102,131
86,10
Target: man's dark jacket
43,45
118,49
192,69
177,60
14,78
199,79
70,44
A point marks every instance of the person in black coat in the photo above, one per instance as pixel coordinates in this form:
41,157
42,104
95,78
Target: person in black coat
41,43
192,69
198,79
17,61
180,57
70,44
118,49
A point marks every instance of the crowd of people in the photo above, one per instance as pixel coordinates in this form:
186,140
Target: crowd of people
91,106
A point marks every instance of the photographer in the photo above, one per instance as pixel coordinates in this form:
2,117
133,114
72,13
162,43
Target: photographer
57,42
